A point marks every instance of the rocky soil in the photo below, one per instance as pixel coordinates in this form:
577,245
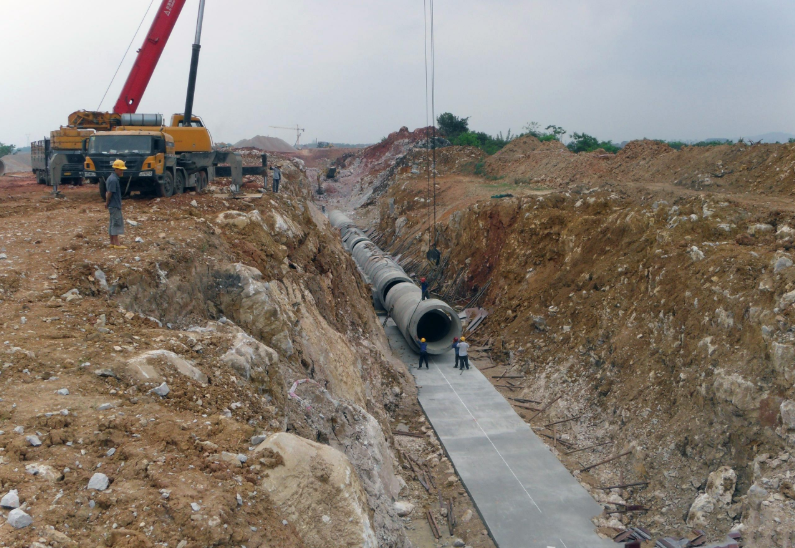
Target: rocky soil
223,381
645,298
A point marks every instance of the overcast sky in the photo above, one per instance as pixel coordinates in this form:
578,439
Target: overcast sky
353,70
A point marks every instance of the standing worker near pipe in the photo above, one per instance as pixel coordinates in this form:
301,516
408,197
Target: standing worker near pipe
463,353
456,342
423,353
424,287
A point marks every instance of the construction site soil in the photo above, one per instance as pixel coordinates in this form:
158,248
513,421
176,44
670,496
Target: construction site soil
639,311
222,381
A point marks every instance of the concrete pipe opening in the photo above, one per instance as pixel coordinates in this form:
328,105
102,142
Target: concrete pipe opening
437,323
433,326
2,168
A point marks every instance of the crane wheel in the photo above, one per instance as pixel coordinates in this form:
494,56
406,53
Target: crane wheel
102,188
166,188
179,183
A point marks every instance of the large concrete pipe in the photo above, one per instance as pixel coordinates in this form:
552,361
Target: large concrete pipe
432,319
2,168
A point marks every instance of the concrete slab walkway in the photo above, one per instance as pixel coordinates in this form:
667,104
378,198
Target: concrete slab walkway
525,495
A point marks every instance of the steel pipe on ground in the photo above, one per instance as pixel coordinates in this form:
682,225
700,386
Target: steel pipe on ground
431,319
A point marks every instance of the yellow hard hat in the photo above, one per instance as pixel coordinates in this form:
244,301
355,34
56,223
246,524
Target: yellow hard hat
463,339
422,340
119,164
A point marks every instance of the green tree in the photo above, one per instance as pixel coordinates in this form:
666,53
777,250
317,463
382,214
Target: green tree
452,126
557,131
552,132
6,149
582,142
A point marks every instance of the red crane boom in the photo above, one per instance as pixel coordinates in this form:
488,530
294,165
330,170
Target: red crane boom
148,56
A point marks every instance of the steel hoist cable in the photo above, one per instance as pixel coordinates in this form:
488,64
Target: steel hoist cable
431,135
125,53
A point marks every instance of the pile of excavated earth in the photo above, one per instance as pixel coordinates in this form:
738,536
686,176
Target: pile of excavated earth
223,381
639,312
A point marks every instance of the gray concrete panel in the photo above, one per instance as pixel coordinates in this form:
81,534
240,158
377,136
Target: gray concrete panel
525,495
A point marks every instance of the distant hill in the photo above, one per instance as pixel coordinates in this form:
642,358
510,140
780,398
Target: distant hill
772,137
270,144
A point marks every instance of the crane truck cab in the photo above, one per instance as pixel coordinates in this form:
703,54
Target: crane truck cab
149,156
164,159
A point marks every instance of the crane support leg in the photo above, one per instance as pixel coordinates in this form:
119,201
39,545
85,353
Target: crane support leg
235,162
56,167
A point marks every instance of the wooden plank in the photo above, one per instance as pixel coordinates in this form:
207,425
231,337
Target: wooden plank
564,420
547,406
522,406
550,437
429,476
432,523
508,377
600,463
589,447
408,434
624,486
524,400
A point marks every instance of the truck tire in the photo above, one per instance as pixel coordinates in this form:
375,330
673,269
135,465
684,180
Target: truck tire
102,188
179,182
166,188
201,181
41,179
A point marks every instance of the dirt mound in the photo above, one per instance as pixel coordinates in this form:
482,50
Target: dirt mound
268,144
16,163
645,149
758,168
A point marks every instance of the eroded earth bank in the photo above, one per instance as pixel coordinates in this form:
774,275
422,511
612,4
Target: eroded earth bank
224,381
642,300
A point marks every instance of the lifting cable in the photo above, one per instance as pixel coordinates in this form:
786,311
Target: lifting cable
428,13
125,53
427,123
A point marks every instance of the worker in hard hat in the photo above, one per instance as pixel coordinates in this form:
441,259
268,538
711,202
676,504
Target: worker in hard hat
277,178
113,204
455,347
424,286
463,352
423,353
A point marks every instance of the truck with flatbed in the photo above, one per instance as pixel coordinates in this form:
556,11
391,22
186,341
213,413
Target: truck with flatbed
67,142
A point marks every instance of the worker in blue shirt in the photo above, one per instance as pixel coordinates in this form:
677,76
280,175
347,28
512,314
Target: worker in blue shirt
455,347
423,353
424,286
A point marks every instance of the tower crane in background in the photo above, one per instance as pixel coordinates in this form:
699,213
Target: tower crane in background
298,131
